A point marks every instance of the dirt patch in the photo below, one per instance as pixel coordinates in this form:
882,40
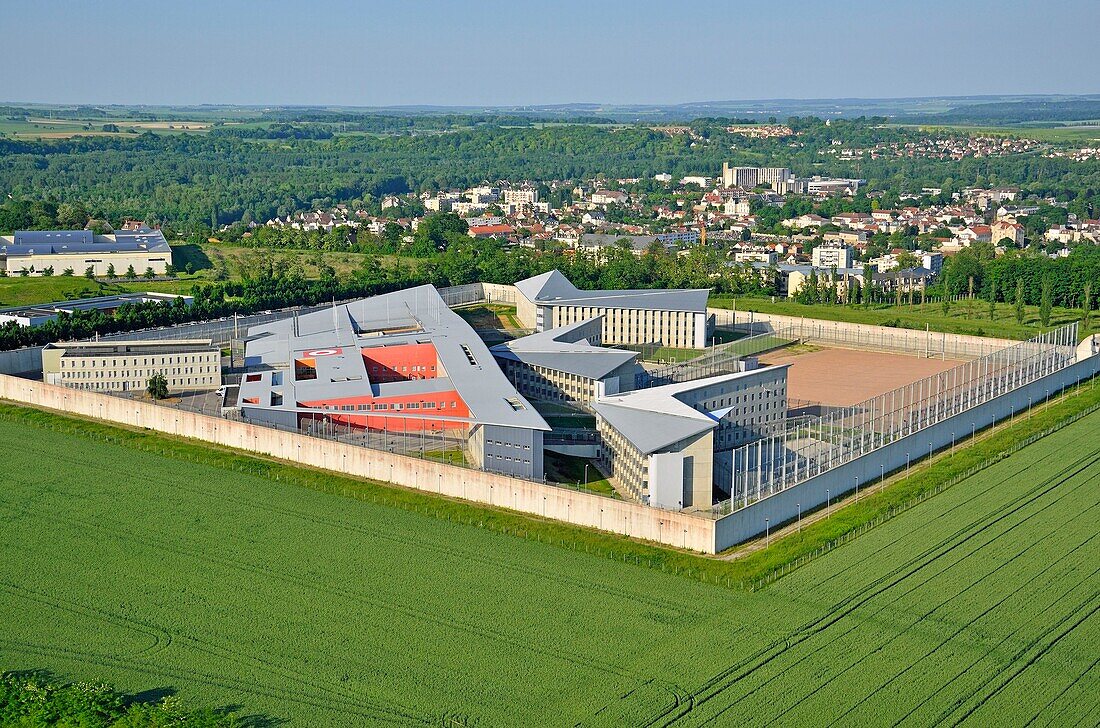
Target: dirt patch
843,377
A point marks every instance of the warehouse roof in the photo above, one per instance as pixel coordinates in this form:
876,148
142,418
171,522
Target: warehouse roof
132,348
566,349
82,242
553,288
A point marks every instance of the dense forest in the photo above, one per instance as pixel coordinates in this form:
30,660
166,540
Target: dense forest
200,181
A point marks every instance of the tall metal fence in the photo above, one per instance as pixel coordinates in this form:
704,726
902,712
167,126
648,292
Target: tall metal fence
715,360
808,446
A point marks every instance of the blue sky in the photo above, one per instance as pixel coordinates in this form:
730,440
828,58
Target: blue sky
520,52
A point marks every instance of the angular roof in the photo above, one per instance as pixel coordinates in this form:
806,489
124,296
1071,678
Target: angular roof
555,289
655,418
337,338
565,349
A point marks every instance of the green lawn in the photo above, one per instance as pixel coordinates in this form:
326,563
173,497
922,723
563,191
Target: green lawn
963,317
490,316
170,565
570,470
19,291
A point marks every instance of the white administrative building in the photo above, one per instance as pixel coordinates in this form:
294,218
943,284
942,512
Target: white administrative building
41,252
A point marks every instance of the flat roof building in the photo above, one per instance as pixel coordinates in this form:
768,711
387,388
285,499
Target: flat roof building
34,251
396,363
667,317
567,364
127,366
40,313
669,445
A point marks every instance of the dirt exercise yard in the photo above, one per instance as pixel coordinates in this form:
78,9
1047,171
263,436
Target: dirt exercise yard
843,377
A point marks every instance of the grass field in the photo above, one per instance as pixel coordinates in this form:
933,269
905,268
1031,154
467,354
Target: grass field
19,291
1069,133
964,317
153,572
237,261
42,128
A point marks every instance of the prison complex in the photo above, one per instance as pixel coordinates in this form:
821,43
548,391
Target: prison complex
395,363
673,318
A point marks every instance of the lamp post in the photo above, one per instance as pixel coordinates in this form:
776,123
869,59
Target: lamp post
828,502
799,517
586,475
767,533
881,476
906,465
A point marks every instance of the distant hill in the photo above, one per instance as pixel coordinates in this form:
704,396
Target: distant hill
1020,112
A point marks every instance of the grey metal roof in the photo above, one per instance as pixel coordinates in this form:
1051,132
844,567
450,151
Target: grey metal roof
553,288
565,350
655,418
346,331
52,237
139,348
652,431
82,242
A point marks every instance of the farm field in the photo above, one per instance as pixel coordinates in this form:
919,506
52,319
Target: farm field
151,572
1061,133
964,317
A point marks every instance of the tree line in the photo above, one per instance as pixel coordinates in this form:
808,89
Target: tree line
197,183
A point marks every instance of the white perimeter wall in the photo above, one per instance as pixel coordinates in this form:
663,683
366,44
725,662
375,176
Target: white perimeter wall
836,332
682,530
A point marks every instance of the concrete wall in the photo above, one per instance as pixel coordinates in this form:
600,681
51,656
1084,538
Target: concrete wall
784,505
21,361
584,509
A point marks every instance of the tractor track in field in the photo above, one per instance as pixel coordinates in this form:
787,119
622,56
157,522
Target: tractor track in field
677,608
161,637
920,620
752,664
335,703
907,591
1041,645
1052,455
147,540
913,665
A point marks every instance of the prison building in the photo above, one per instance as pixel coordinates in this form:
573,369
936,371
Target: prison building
127,366
402,362
666,445
567,364
34,252
673,318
